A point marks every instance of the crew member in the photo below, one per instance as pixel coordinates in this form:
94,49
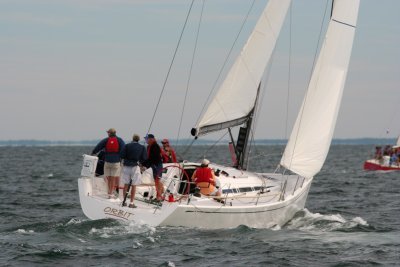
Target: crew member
167,152
112,146
154,161
205,179
133,155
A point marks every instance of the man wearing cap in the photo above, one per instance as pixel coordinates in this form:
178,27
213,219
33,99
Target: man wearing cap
154,161
133,154
112,146
205,179
167,152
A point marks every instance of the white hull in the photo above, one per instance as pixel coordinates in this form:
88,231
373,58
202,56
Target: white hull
260,216
251,209
96,207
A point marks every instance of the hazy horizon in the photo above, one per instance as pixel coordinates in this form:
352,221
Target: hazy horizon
185,142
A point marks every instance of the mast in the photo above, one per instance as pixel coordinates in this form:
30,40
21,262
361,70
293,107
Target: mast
243,141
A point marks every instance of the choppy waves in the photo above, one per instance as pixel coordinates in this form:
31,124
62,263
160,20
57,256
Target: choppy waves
308,221
352,219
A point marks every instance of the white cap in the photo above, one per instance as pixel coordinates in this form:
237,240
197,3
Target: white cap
205,162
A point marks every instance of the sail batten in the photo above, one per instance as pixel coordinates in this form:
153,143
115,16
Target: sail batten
220,126
312,133
344,23
236,97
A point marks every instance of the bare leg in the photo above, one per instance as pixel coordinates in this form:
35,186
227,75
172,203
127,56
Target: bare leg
117,184
133,192
114,179
156,184
109,184
125,189
159,188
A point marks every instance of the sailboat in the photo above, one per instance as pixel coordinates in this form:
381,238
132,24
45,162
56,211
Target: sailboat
383,160
259,200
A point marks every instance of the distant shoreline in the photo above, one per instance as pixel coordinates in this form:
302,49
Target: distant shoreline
348,141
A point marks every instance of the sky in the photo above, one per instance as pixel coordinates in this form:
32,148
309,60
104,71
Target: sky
69,69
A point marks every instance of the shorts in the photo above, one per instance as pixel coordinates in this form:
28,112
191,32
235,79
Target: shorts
112,169
157,169
129,172
214,193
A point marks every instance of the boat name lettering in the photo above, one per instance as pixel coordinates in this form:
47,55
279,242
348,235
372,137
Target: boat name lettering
117,213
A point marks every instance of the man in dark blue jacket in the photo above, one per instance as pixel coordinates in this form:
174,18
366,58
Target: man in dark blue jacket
133,155
154,160
112,146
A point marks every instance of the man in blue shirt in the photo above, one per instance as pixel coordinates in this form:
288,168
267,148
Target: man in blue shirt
112,146
133,155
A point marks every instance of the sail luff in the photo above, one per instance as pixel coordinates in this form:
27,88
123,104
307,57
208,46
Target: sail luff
236,97
312,133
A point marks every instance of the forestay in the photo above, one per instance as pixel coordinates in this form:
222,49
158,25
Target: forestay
236,97
312,133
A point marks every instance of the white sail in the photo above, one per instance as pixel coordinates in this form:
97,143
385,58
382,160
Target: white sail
312,133
398,141
236,97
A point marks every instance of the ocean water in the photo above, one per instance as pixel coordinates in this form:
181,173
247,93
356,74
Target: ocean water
352,218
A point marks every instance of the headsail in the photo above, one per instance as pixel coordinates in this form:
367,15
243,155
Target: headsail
236,97
312,133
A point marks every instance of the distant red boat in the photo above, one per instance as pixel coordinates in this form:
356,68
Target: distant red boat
386,159
380,165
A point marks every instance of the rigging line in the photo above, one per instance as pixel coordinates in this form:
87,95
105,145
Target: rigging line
252,132
251,124
226,61
170,66
258,107
266,76
309,81
252,144
264,154
289,73
190,72
187,148
289,76
213,145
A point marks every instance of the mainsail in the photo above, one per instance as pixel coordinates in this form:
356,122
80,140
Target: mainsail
312,133
236,97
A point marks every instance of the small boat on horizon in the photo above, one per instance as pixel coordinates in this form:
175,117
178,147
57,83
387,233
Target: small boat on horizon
386,158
